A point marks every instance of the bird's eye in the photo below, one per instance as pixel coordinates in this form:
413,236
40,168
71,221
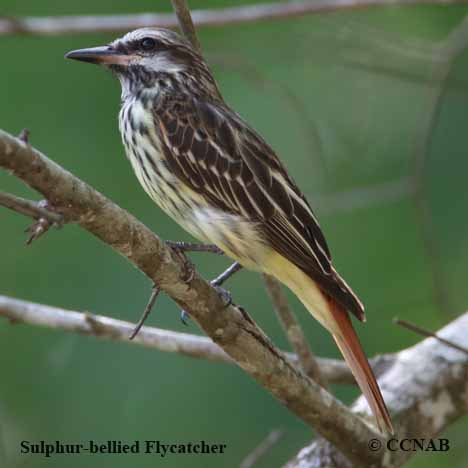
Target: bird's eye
148,43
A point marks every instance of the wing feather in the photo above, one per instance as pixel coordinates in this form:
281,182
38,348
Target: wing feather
221,157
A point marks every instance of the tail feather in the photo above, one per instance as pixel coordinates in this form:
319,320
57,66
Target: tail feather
349,345
334,317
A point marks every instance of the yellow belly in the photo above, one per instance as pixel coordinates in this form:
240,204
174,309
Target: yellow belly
241,241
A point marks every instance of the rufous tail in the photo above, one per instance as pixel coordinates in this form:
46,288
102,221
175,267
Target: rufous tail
348,342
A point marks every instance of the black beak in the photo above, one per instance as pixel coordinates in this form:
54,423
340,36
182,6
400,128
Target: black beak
105,55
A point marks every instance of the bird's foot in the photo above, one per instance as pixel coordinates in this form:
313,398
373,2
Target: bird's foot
184,317
226,274
187,266
225,295
181,248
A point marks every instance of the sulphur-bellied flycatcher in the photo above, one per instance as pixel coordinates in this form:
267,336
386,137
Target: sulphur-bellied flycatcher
217,177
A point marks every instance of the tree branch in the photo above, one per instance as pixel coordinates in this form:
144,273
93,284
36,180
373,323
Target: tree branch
100,326
427,333
293,331
230,327
185,21
450,49
426,390
29,208
262,449
60,25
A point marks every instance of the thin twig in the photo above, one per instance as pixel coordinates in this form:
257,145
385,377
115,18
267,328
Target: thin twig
24,135
262,448
100,326
364,197
185,22
154,295
29,208
45,217
403,74
451,48
60,25
260,79
425,332
293,330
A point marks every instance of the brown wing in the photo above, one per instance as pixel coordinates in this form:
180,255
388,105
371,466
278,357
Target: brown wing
217,154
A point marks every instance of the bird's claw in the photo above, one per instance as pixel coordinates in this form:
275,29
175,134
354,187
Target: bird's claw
176,245
188,268
225,295
189,271
184,317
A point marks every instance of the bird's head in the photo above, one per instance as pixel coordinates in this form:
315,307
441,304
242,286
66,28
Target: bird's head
151,58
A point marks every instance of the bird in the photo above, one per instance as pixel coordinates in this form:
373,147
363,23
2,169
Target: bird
209,170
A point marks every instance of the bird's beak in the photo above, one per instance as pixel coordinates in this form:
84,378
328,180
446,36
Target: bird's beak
105,55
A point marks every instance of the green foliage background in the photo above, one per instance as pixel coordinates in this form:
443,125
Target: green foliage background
315,88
